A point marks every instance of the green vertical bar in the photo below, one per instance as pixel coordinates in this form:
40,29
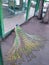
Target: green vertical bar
28,8
1,59
37,5
1,21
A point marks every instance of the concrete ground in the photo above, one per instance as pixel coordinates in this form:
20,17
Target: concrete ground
33,27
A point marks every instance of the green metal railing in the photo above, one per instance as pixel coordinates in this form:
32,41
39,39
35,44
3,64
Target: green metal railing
1,16
28,8
1,21
2,33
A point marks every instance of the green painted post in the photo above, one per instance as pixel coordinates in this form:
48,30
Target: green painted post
1,59
1,21
37,6
28,8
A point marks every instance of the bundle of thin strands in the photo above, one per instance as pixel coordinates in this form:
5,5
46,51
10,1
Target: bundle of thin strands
23,46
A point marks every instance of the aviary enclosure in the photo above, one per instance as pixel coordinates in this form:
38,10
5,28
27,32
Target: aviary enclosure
15,12
11,12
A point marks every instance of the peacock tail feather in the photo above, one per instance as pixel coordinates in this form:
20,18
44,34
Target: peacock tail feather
24,45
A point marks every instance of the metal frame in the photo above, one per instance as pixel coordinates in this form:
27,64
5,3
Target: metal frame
28,7
1,21
14,10
2,32
37,6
